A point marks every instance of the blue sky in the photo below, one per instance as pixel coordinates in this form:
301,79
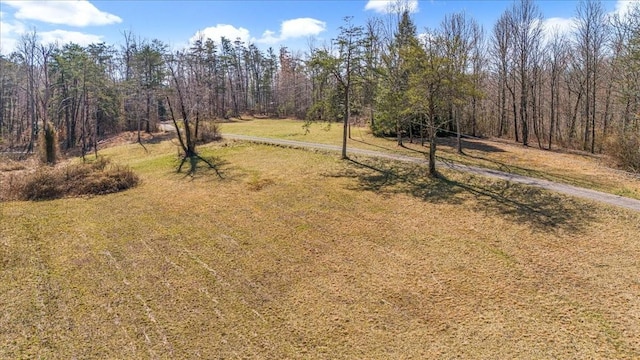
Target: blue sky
266,23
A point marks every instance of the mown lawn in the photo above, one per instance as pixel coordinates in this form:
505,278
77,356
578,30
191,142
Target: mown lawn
296,254
580,169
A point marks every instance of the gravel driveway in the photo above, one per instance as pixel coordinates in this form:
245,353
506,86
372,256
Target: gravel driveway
571,190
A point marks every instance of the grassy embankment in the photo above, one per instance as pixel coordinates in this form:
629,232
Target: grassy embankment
577,169
296,254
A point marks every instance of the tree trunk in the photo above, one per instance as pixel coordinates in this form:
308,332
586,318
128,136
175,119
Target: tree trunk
503,106
432,153
458,135
345,124
148,112
524,116
515,114
605,116
593,112
473,115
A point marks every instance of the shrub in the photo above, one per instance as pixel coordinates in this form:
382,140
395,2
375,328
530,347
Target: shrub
11,186
208,131
110,180
625,149
95,178
41,185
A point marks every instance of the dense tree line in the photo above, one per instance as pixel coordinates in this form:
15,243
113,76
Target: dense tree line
87,93
516,80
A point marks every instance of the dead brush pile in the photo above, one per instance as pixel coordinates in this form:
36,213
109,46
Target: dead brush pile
45,183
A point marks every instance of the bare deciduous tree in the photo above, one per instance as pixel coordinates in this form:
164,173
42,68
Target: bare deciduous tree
186,137
526,26
590,39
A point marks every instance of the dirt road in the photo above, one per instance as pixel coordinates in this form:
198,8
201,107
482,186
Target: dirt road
166,127
544,184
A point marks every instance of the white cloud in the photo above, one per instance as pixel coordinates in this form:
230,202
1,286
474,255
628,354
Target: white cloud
62,37
557,25
301,27
9,34
392,6
11,29
268,37
7,45
73,13
294,28
222,30
289,29
565,26
425,37
623,6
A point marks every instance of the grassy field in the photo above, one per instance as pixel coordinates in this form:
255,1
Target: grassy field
296,254
580,169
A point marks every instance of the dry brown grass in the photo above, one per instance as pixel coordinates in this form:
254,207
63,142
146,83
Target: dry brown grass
331,259
580,169
574,168
7,165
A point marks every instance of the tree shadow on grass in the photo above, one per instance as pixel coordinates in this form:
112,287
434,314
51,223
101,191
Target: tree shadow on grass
441,141
514,169
388,178
467,144
372,144
541,210
202,166
160,137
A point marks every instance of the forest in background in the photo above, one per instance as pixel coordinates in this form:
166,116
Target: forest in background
516,80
